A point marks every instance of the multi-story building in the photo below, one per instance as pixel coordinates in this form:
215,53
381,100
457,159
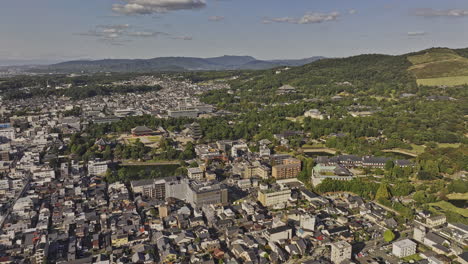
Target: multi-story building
7,133
278,233
419,233
277,159
195,173
97,167
274,196
153,188
436,220
5,155
404,248
340,251
207,193
263,171
290,168
196,193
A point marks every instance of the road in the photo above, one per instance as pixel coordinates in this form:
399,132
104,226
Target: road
25,188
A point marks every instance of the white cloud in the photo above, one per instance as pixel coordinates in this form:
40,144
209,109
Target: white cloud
145,7
416,33
146,34
182,37
216,18
352,11
121,34
308,18
429,12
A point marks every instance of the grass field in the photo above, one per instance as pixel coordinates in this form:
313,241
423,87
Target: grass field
433,56
414,257
448,145
448,81
446,206
457,196
439,67
418,149
307,146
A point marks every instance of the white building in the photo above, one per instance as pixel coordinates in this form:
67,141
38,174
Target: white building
274,197
404,248
195,173
97,167
237,148
8,133
307,222
314,113
278,233
340,251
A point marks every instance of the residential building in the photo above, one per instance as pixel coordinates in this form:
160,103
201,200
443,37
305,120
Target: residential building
274,196
436,220
340,252
195,173
404,248
97,167
290,168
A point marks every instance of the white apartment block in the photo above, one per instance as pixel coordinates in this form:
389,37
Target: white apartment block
97,167
404,248
340,251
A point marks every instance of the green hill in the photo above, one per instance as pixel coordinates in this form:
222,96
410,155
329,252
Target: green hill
441,66
369,73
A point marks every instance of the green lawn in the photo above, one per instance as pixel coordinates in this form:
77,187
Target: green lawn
457,196
414,257
418,149
439,67
448,81
306,146
154,139
433,56
446,206
449,145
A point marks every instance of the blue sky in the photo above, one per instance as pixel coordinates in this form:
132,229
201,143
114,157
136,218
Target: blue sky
52,30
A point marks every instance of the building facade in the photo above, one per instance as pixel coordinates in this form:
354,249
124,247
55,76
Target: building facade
273,197
404,248
340,251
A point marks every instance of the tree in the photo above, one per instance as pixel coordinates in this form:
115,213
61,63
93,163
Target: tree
122,173
388,235
389,165
382,193
107,154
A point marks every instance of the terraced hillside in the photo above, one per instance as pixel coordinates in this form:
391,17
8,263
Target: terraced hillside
435,67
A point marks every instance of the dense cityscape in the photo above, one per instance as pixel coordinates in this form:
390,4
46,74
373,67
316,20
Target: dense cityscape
335,132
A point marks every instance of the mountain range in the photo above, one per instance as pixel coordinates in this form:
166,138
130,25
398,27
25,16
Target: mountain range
171,64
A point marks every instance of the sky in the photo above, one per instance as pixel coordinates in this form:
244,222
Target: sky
60,30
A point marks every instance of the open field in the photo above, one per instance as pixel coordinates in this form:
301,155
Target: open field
418,149
151,141
414,257
433,56
449,145
448,81
446,206
439,67
457,196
